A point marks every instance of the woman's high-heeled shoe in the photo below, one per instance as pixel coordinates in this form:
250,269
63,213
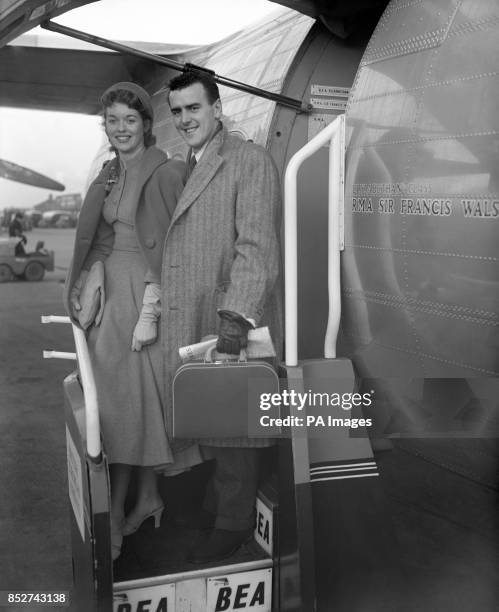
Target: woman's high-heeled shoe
116,541
129,528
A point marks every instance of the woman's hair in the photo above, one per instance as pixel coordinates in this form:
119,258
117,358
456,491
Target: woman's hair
132,100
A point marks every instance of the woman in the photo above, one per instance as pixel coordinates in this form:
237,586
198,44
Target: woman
122,228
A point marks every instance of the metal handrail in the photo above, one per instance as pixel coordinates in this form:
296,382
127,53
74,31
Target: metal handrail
92,423
336,202
334,133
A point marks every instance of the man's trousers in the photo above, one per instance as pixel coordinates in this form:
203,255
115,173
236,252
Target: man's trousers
231,491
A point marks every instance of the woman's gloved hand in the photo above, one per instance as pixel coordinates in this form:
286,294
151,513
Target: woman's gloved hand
146,329
74,295
233,333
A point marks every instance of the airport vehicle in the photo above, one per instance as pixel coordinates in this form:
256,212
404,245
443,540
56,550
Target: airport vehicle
30,266
57,218
419,296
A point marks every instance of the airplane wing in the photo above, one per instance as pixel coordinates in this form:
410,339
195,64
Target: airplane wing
19,16
13,172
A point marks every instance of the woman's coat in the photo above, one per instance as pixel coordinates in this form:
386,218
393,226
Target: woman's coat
158,190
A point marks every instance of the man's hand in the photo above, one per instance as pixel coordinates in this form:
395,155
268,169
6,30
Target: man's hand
233,334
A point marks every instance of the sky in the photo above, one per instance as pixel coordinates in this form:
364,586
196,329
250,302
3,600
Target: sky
62,145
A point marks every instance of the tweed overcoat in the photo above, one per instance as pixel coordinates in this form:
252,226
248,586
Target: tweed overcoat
158,190
222,252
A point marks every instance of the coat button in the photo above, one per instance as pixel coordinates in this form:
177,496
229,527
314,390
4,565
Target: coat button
150,243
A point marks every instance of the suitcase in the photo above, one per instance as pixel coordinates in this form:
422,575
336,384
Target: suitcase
222,399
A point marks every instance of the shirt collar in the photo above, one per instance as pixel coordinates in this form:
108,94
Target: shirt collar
199,154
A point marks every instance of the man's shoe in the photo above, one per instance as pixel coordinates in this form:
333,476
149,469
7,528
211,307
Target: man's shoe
202,520
220,545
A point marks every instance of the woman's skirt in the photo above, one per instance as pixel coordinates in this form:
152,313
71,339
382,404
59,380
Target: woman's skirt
129,383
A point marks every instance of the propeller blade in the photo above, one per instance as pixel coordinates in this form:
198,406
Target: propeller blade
13,172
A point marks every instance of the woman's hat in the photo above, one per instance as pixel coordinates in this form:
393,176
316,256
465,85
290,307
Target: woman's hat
141,94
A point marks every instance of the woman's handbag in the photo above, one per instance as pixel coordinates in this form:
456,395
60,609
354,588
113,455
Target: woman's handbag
92,297
222,399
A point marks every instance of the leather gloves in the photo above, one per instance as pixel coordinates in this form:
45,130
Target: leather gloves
233,334
87,297
146,330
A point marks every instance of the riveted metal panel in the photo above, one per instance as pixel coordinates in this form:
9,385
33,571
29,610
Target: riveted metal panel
410,27
422,184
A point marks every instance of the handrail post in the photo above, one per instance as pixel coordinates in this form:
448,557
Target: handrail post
90,394
92,423
329,133
335,210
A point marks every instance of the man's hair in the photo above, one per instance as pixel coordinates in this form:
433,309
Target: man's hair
188,78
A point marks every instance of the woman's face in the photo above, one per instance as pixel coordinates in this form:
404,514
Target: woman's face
125,128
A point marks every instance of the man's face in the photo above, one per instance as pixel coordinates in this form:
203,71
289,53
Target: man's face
195,118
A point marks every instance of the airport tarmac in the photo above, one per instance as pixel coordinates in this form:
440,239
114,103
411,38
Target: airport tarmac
34,513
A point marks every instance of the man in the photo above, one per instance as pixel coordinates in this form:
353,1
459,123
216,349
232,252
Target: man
16,231
221,275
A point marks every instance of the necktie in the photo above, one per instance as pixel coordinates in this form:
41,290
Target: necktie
192,163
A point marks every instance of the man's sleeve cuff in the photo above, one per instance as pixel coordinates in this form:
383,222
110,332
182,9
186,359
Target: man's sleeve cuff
251,321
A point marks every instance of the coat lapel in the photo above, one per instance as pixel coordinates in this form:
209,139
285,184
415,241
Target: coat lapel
203,173
94,201
151,159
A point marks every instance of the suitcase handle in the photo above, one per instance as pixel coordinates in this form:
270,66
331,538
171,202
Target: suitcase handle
209,356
